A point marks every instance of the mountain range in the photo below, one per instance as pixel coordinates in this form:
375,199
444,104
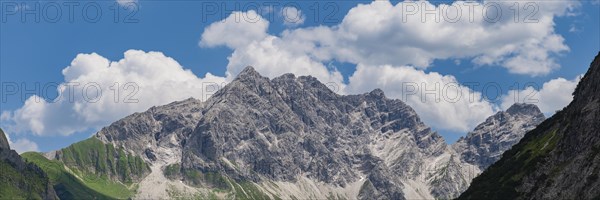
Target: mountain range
288,137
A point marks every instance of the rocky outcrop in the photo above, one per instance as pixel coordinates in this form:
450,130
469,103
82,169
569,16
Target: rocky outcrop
166,126
486,143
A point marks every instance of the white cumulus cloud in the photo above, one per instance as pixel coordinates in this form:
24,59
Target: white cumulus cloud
550,97
24,145
391,44
417,33
439,99
268,54
21,145
97,91
239,29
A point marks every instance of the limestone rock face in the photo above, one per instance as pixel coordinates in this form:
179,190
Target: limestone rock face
486,143
294,137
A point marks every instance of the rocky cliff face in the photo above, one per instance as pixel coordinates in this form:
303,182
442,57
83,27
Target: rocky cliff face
19,179
292,128
286,130
558,160
158,135
293,137
481,147
486,143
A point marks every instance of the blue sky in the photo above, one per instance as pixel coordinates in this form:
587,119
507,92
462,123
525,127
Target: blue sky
37,52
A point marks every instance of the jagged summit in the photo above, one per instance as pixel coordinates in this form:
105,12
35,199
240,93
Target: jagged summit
287,76
293,137
485,144
249,71
250,76
524,109
377,92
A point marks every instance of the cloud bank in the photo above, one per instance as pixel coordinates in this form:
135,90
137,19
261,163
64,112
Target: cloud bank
432,95
391,46
97,92
417,33
553,95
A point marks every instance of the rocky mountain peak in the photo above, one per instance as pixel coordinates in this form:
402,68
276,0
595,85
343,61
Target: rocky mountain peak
249,73
498,133
524,109
377,92
287,76
248,85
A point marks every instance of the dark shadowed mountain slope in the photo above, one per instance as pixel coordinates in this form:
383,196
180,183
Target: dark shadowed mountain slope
19,179
560,159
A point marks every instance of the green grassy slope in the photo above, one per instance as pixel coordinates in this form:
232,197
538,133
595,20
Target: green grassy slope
219,183
91,169
91,156
19,185
66,184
